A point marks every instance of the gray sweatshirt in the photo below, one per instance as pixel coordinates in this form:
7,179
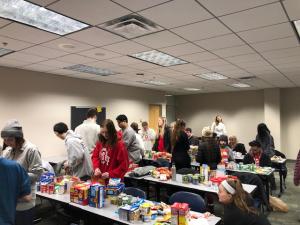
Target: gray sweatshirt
134,149
30,159
79,158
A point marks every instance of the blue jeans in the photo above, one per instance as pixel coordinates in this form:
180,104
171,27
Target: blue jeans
25,217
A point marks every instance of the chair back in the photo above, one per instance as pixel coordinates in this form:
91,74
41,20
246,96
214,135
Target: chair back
135,192
195,201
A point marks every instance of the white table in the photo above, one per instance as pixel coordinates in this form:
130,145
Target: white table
65,198
55,159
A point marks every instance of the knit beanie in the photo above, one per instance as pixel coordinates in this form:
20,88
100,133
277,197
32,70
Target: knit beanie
12,128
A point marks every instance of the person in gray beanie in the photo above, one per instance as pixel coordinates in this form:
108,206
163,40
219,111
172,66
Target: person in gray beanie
16,148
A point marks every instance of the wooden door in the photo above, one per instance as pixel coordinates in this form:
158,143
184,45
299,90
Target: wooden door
154,113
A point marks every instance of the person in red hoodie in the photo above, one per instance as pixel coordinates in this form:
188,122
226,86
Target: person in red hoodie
110,156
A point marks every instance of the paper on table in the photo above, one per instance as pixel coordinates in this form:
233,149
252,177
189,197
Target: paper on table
179,177
198,221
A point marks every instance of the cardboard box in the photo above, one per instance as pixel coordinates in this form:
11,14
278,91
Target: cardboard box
96,195
79,193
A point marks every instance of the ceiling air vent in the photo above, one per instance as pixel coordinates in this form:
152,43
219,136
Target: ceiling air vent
131,26
247,78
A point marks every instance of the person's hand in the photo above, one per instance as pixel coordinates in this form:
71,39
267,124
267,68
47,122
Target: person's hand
105,175
97,172
66,164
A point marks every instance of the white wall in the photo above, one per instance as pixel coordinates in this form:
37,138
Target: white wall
241,112
39,100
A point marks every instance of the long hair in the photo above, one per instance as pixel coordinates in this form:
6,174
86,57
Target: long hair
19,143
262,130
240,197
179,126
161,129
111,133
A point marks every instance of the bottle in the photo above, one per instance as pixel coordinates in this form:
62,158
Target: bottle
173,170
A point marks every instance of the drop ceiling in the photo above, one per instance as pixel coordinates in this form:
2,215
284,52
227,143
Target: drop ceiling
235,38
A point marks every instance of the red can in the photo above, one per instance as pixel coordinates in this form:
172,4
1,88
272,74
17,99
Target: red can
50,188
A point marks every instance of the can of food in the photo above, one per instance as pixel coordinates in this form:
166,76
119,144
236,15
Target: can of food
51,189
185,179
195,180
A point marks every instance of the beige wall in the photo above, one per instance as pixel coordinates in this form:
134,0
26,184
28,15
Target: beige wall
241,112
39,100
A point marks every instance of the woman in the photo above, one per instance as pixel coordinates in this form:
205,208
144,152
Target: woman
237,205
180,146
27,155
163,139
266,140
208,151
110,157
218,127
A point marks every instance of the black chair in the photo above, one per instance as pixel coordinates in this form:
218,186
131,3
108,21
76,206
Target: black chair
135,192
196,202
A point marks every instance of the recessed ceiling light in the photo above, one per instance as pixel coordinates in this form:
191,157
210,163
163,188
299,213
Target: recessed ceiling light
168,95
191,89
40,17
154,82
91,70
240,85
297,26
212,76
4,51
99,54
131,26
158,58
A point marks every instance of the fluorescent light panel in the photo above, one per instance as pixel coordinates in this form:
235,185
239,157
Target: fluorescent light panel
91,70
40,17
297,26
159,58
191,89
240,85
154,82
212,76
4,51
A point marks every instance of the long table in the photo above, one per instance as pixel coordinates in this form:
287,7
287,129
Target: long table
110,211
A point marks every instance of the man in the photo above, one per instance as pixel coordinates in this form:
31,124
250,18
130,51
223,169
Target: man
256,156
193,140
79,160
235,146
135,151
89,130
148,136
14,186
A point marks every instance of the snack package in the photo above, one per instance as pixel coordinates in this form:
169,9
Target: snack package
96,195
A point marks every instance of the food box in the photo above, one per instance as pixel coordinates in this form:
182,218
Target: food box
79,193
96,195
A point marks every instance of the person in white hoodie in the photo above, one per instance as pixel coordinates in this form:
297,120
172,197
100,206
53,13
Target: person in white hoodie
79,160
89,130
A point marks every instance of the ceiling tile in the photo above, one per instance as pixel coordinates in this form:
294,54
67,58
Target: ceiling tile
182,49
12,62
44,52
222,68
102,64
4,22
236,73
285,60
124,60
160,39
282,53
219,8
239,50
276,44
225,41
63,72
99,53
293,8
277,80
244,58
95,36
176,13
162,70
26,33
214,62
55,63
14,44
75,46
197,57
42,2
39,67
95,12
24,57
202,30
126,47
144,66
136,5
267,33
249,65
257,17
189,68
76,59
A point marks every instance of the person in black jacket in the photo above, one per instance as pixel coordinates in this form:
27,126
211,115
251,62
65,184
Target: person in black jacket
238,207
163,137
193,140
180,146
235,146
265,139
209,150
257,156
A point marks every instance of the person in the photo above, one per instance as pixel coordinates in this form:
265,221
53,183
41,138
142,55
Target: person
238,207
180,146
110,156
134,149
148,135
193,140
47,167
136,129
209,150
256,155
15,187
163,136
297,175
79,161
89,130
235,146
226,152
28,156
218,126
265,139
